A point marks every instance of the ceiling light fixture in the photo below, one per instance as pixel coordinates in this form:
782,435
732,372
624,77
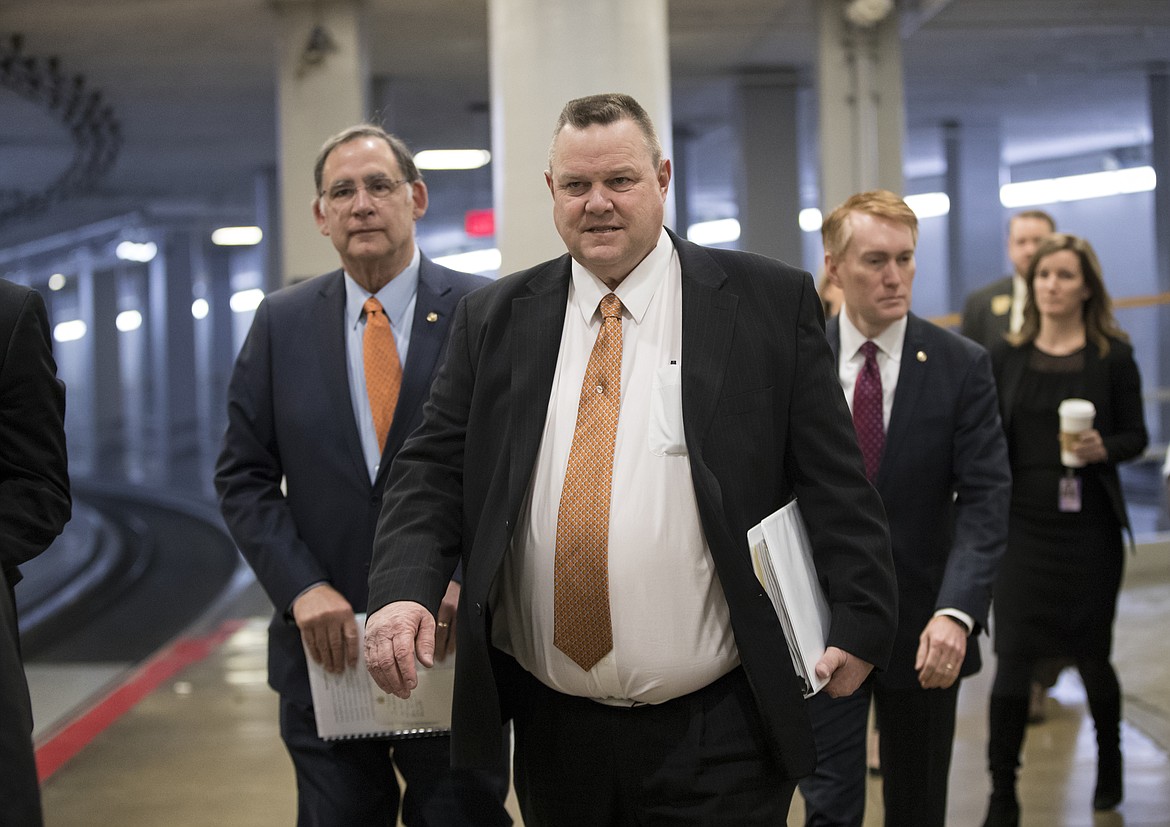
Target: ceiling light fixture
237,236
452,158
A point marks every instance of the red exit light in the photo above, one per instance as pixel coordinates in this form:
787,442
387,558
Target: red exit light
479,223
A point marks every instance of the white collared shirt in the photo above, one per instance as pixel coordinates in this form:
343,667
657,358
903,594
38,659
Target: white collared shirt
671,627
889,358
1019,296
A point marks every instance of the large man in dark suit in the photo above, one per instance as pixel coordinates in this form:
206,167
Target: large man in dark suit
688,711
924,405
307,451
34,507
998,308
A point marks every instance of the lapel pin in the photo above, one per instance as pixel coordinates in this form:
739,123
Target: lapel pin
432,316
921,356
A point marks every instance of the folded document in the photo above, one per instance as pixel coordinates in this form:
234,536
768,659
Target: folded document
351,705
782,558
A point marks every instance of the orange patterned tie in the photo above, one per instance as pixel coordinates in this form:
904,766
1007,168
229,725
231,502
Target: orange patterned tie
582,627
383,370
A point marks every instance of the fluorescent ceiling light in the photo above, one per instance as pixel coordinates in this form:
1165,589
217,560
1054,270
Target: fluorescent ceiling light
452,158
69,331
1078,187
476,261
128,320
929,204
237,236
133,251
246,300
56,281
810,220
719,231
199,308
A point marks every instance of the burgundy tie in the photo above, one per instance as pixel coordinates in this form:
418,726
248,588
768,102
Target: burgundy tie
867,412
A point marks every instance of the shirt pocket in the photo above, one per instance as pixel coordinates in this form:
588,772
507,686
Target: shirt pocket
665,431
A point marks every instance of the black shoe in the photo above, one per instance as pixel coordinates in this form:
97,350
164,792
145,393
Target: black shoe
1002,811
1108,793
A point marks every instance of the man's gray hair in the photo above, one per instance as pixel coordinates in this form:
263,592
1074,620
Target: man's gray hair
402,154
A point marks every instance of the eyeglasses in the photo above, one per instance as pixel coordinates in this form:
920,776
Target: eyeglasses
379,189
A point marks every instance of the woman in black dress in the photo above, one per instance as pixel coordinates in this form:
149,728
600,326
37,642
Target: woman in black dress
1056,593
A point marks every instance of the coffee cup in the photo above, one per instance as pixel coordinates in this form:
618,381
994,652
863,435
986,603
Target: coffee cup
1076,416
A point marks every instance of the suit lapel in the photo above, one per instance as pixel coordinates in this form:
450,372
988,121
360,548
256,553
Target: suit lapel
328,323
911,380
708,320
538,317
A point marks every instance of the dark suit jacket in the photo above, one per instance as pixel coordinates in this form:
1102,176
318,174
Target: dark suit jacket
764,419
1114,387
946,485
34,472
290,415
19,793
987,313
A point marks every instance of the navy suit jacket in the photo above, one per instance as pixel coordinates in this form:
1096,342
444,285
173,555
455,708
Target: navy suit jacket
290,416
987,313
946,485
764,419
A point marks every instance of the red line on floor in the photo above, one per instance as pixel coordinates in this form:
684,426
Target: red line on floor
72,738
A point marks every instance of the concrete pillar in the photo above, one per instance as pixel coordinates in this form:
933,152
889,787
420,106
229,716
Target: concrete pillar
769,186
137,393
862,108
77,367
218,335
543,54
172,339
680,181
106,394
974,224
322,87
1159,80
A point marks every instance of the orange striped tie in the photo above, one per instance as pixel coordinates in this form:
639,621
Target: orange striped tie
581,621
383,370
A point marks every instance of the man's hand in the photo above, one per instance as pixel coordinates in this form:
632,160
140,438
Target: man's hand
327,626
394,634
845,671
445,633
941,649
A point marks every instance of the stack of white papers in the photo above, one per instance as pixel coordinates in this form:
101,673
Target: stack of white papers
351,705
782,558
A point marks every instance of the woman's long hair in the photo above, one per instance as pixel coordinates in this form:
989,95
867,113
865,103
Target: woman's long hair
1097,310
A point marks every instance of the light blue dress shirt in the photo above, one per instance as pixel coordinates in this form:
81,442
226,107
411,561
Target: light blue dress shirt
398,298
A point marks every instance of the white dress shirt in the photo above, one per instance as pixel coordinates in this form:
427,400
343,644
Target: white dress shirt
889,358
1019,296
671,627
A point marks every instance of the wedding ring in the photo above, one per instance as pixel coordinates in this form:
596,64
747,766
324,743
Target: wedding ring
443,625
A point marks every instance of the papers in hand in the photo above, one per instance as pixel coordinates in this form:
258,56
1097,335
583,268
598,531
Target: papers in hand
351,705
782,558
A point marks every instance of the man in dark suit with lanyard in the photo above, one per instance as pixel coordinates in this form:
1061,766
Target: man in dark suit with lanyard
35,505
605,429
925,410
327,386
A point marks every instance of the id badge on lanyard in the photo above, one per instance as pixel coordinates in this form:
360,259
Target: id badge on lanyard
1069,497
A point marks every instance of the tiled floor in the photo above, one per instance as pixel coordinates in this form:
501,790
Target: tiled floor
203,749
